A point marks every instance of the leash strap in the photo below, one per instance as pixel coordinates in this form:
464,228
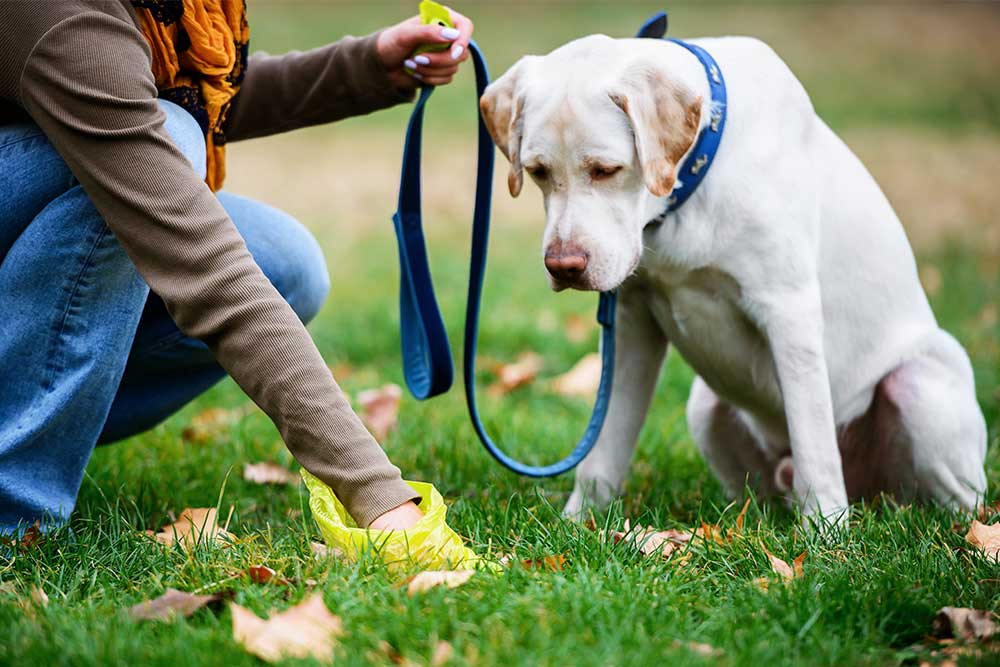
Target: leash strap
427,363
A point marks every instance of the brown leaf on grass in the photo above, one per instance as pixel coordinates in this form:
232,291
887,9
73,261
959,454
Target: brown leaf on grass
29,538
741,516
195,525
321,551
783,569
985,537
704,650
517,374
342,370
307,629
172,603
546,563
211,422
964,623
710,532
39,597
650,541
266,472
581,380
262,574
380,409
578,327
428,579
443,652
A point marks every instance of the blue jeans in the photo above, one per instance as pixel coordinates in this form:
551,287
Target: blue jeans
88,354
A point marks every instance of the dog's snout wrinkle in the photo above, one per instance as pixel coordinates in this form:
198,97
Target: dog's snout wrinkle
566,261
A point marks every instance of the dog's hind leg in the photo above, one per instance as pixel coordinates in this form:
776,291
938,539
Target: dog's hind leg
928,410
733,452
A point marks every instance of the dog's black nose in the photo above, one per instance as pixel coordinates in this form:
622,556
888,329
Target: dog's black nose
566,262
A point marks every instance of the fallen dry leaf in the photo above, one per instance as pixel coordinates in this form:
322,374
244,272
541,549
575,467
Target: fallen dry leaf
710,532
209,423
29,538
741,516
964,623
321,551
578,327
198,524
985,537
39,597
262,574
428,579
650,541
517,374
172,603
705,650
581,380
547,563
380,409
307,629
269,473
443,652
783,569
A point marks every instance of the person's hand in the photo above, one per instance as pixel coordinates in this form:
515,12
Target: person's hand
399,518
396,45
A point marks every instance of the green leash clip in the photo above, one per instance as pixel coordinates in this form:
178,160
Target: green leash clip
432,13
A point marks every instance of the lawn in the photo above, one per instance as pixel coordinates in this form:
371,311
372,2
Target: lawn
911,88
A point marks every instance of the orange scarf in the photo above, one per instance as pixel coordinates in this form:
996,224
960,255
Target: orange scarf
199,57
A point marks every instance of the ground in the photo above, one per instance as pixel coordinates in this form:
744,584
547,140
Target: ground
911,88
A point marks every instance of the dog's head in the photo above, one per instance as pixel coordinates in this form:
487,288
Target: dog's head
600,130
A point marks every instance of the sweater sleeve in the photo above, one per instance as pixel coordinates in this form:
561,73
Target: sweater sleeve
87,84
299,89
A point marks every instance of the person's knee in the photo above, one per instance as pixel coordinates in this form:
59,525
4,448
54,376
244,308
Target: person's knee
186,134
285,250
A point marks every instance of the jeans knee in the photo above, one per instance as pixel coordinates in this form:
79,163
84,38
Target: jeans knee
285,250
186,135
312,285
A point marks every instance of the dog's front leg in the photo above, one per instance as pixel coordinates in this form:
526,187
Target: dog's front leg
793,324
640,346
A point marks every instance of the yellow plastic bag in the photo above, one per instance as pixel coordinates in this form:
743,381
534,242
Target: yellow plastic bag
431,543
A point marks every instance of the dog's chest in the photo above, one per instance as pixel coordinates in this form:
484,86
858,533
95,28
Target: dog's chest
700,313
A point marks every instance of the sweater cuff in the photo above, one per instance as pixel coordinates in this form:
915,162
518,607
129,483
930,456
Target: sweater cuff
383,93
370,500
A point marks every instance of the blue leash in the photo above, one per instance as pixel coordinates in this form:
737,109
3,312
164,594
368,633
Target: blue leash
427,363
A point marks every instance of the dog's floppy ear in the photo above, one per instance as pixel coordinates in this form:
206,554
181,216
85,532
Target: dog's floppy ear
664,119
502,106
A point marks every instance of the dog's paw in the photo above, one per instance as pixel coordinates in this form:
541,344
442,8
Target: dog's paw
588,497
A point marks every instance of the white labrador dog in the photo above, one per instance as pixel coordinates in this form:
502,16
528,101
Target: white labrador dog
786,281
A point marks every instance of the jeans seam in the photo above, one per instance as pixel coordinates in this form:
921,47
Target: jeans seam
52,366
31,137
163,343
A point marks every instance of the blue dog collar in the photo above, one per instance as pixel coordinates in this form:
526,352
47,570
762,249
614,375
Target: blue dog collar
702,155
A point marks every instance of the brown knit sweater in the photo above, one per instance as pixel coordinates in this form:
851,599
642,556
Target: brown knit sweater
80,69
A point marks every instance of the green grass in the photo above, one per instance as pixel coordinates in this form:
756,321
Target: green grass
862,601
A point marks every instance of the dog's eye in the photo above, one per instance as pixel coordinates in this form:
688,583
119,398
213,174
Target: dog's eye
601,173
538,171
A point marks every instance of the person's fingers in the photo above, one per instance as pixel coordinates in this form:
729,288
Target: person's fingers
436,80
444,70
464,26
439,59
414,35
